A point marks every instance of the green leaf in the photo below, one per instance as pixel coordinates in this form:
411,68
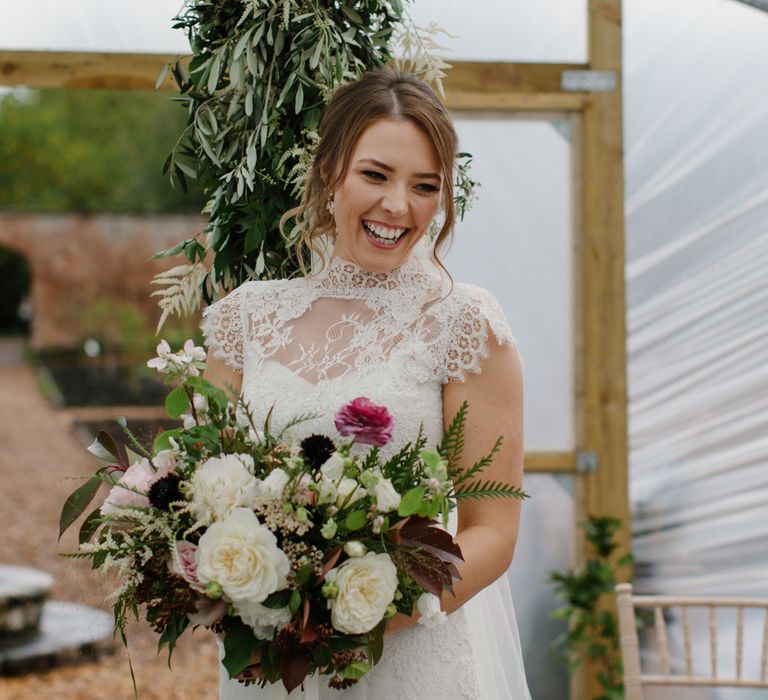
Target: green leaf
356,519
177,402
89,526
411,501
279,599
299,100
77,502
239,645
357,669
163,440
351,14
295,601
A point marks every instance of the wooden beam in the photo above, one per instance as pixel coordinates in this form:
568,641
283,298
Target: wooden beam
74,70
604,428
469,85
550,462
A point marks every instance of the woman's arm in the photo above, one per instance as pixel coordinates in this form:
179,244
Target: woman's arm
218,373
487,531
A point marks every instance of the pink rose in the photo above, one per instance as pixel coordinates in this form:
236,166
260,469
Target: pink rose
183,562
367,422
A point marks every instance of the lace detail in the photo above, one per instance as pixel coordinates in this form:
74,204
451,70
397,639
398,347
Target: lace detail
223,329
347,319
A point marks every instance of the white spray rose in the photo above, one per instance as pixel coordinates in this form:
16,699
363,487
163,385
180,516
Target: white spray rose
263,620
349,491
366,586
333,467
387,498
326,491
241,555
353,548
274,485
430,613
222,484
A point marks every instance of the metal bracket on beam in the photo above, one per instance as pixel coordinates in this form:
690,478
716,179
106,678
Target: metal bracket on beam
588,81
586,461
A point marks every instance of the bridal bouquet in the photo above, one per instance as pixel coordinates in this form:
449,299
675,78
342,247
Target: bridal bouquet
298,550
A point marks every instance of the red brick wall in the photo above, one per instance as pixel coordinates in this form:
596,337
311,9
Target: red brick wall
76,259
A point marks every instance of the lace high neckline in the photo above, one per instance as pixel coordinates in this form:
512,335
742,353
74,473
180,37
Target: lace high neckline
418,276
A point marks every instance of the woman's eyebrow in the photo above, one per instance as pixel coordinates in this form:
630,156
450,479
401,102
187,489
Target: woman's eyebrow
390,169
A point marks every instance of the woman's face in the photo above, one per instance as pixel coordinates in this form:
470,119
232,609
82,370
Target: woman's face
387,199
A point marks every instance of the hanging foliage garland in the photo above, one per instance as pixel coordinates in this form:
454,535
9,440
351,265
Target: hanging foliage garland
254,90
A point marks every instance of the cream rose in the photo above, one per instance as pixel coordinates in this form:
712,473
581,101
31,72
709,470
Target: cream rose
262,620
242,556
222,484
366,586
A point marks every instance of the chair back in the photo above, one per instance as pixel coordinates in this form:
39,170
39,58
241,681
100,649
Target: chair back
635,680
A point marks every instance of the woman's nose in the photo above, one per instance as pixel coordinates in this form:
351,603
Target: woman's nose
395,201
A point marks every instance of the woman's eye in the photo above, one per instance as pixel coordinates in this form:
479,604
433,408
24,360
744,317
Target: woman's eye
427,188
374,175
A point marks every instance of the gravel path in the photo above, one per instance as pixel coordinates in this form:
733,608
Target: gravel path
38,456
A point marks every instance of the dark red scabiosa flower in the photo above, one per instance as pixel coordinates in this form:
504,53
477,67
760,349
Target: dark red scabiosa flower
366,421
317,449
165,491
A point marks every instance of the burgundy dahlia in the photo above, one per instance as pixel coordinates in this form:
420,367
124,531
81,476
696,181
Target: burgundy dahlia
366,421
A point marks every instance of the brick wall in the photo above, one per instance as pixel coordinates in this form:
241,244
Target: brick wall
76,259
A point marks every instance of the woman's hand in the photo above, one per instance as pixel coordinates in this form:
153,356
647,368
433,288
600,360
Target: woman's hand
253,671
400,622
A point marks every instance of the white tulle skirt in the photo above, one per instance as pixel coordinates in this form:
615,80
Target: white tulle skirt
475,655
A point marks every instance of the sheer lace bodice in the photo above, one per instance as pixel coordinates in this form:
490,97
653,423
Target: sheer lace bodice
308,345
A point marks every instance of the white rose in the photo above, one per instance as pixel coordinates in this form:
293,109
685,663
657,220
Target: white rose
221,484
353,548
349,491
430,613
326,491
274,485
333,467
387,498
263,620
366,586
242,556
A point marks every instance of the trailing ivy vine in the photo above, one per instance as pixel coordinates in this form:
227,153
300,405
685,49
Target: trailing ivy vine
254,90
588,592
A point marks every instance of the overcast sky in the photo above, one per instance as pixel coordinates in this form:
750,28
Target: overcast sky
546,30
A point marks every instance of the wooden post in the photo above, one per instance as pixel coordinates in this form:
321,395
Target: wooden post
629,643
604,400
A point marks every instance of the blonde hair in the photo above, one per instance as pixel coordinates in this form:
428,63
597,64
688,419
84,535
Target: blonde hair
380,94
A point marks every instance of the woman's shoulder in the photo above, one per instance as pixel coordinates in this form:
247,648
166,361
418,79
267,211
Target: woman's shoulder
473,318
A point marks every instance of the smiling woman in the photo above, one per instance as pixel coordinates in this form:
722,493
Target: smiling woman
382,321
374,196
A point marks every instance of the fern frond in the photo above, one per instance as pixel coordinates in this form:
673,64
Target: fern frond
452,444
183,290
488,489
301,418
478,466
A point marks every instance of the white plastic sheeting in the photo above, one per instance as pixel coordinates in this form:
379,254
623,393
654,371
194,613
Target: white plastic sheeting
697,274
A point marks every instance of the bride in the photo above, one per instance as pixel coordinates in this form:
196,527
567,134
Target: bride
383,319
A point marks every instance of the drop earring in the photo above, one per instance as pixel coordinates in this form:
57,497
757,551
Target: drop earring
329,205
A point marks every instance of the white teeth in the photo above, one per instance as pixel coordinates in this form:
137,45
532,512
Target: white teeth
384,231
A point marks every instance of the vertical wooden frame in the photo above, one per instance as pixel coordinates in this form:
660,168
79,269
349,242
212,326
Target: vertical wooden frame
605,490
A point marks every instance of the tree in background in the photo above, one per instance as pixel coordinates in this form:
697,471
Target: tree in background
88,150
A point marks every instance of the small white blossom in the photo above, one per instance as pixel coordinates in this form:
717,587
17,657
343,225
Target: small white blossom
430,613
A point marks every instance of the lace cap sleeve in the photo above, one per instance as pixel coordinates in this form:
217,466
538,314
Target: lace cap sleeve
222,326
477,312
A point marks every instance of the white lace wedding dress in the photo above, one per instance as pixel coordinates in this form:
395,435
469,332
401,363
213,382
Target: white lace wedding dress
311,344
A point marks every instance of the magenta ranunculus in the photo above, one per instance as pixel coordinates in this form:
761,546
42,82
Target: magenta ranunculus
367,422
